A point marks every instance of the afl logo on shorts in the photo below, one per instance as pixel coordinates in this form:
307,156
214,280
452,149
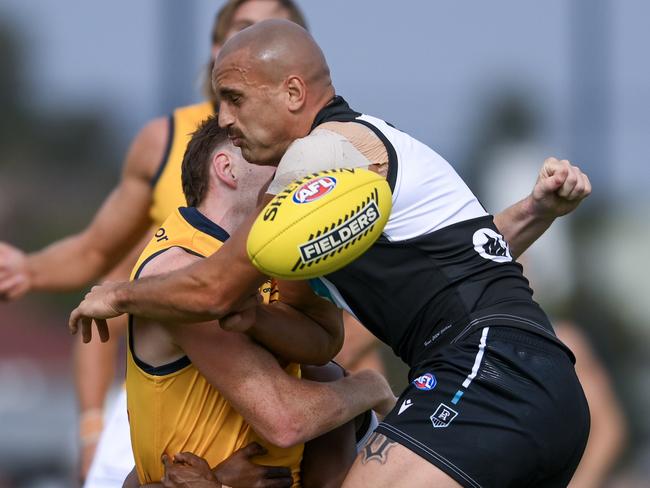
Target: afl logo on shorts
425,382
314,189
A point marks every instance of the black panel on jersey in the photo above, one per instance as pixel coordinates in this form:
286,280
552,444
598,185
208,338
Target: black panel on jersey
338,110
419,294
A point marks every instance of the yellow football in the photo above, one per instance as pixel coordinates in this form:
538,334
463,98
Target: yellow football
319,224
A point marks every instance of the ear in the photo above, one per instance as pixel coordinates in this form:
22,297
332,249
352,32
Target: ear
223,168
296,91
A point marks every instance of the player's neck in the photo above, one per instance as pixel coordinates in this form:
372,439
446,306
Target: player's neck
223,212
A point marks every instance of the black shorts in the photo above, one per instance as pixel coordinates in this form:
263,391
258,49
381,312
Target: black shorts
501,407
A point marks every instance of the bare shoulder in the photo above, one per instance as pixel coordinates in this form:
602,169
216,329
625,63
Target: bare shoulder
167,261
148,149
155,342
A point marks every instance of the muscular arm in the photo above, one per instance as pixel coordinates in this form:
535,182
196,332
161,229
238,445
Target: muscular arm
281,408
206,290
559,189
301,328
222,283
116,227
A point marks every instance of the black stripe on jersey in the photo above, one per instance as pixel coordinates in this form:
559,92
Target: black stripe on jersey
168,148
391,177
338,110
179,363
200,222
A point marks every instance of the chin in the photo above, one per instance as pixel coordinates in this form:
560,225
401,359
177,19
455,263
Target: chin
261,158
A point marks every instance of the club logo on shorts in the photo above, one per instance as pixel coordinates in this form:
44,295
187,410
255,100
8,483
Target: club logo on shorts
425,382
340,236
491,245
314,189
443,416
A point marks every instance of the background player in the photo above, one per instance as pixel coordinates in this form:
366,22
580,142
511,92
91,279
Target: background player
287,79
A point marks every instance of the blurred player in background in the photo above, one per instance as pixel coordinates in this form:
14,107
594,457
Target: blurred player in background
149,190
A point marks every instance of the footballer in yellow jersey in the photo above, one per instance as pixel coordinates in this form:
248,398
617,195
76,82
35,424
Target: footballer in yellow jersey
167,193
173,407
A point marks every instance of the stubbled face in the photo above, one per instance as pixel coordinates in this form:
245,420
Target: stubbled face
251,179
252,12
253,108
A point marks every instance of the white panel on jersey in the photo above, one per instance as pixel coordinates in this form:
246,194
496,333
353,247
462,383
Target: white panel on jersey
428,195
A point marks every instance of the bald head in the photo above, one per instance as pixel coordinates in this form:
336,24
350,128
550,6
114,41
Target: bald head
271,80
279,49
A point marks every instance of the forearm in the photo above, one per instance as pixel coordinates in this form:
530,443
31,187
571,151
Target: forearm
68,264
310,409
187,295
296,337
520,225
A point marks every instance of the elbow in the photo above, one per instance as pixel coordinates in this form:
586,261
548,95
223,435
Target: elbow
329,352
285,430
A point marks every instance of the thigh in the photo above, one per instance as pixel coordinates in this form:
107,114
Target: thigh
385,463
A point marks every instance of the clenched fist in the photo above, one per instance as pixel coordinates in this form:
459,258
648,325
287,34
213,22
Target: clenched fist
559,189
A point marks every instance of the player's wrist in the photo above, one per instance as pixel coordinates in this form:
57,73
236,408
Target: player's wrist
119,298
91,424
534,209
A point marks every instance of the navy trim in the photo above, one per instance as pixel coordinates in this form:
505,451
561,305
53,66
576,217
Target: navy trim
179,363
162,370
165,158
200,222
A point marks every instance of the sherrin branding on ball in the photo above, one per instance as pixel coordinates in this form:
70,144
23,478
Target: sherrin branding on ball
319,224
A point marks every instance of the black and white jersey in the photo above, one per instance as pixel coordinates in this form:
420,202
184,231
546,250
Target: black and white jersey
440,269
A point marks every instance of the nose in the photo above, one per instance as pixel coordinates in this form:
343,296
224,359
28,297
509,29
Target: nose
226,118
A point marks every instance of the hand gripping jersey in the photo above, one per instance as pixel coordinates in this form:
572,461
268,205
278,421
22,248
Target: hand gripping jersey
167,188
172,408
441,269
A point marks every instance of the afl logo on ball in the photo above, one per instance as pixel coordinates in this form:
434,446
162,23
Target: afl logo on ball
314,189
425,382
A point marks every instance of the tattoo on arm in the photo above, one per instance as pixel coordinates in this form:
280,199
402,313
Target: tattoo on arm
377,449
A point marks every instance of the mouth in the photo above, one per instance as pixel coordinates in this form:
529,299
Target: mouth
236,140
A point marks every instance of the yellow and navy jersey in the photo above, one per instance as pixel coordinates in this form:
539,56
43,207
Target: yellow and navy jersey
167,188
172,408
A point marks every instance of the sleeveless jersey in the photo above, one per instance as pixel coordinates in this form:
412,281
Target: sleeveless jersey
167,189
441,269
172,408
